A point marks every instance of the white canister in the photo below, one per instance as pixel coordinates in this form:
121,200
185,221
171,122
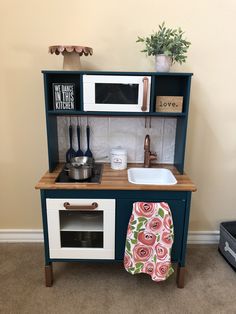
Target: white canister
118,158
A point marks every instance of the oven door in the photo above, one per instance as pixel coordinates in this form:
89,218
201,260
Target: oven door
81,228
116,93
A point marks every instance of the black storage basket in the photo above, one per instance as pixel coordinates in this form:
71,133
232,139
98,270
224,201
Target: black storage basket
227,244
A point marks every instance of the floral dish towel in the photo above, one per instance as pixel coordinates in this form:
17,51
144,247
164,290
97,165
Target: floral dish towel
149,240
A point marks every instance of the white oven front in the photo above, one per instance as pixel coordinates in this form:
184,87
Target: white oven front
81,228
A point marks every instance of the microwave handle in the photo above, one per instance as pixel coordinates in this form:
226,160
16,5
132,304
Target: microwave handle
145,94
67,205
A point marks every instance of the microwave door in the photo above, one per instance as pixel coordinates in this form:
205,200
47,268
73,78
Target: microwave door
115,93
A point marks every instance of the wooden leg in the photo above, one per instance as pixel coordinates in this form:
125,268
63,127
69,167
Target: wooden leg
180,276
48,275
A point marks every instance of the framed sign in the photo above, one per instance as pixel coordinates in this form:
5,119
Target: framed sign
63,96
169,103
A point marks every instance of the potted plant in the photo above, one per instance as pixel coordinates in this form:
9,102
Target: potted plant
167,45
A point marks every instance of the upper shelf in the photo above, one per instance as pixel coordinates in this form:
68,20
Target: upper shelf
117,73
91,90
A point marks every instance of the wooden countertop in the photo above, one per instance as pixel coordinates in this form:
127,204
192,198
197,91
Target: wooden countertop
115,180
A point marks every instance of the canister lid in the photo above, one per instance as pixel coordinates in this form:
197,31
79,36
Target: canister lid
118,151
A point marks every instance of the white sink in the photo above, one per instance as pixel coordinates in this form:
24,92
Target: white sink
154,176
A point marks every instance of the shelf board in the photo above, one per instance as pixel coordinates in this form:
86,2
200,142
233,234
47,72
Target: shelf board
66,73
80,223
130,114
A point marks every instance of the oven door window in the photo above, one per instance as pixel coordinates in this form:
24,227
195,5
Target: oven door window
81,229
116,93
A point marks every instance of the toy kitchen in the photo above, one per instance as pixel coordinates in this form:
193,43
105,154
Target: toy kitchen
89,191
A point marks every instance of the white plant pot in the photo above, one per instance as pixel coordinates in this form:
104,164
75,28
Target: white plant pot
163,63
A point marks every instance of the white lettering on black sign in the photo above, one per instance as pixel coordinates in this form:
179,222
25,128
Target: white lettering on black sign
64,96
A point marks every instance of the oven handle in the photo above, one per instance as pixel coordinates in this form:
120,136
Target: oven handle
67,205
145,94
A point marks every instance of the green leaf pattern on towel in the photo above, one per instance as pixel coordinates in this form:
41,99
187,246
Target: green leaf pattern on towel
149,240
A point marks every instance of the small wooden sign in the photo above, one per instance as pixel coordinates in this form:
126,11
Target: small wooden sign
169,103
63,96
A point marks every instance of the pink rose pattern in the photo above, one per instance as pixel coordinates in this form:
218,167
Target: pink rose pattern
149,240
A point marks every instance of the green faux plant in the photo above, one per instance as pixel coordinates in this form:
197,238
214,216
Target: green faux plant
167,41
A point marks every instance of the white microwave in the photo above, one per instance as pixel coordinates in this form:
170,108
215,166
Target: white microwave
122,93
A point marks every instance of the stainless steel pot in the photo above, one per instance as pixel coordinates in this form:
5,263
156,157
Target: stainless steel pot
81,161
79,172
80,168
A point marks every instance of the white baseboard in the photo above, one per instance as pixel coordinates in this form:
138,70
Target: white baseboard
21,235
36,235
203,237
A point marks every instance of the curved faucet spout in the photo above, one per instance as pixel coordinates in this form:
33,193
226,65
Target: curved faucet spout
147,143
148,156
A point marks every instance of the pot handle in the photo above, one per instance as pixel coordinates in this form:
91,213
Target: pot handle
67,205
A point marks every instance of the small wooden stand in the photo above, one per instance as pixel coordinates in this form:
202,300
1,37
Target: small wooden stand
48,275
71,55
180,276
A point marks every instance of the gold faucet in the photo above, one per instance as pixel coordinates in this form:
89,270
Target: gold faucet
148,156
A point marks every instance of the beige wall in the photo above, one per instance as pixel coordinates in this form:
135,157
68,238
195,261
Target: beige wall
111,27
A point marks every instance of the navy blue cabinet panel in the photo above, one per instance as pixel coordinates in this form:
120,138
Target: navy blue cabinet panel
179,203
124,211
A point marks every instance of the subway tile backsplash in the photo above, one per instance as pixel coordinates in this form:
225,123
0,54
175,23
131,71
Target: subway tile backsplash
109,132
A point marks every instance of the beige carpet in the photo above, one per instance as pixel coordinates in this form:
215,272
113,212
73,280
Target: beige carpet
210,285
